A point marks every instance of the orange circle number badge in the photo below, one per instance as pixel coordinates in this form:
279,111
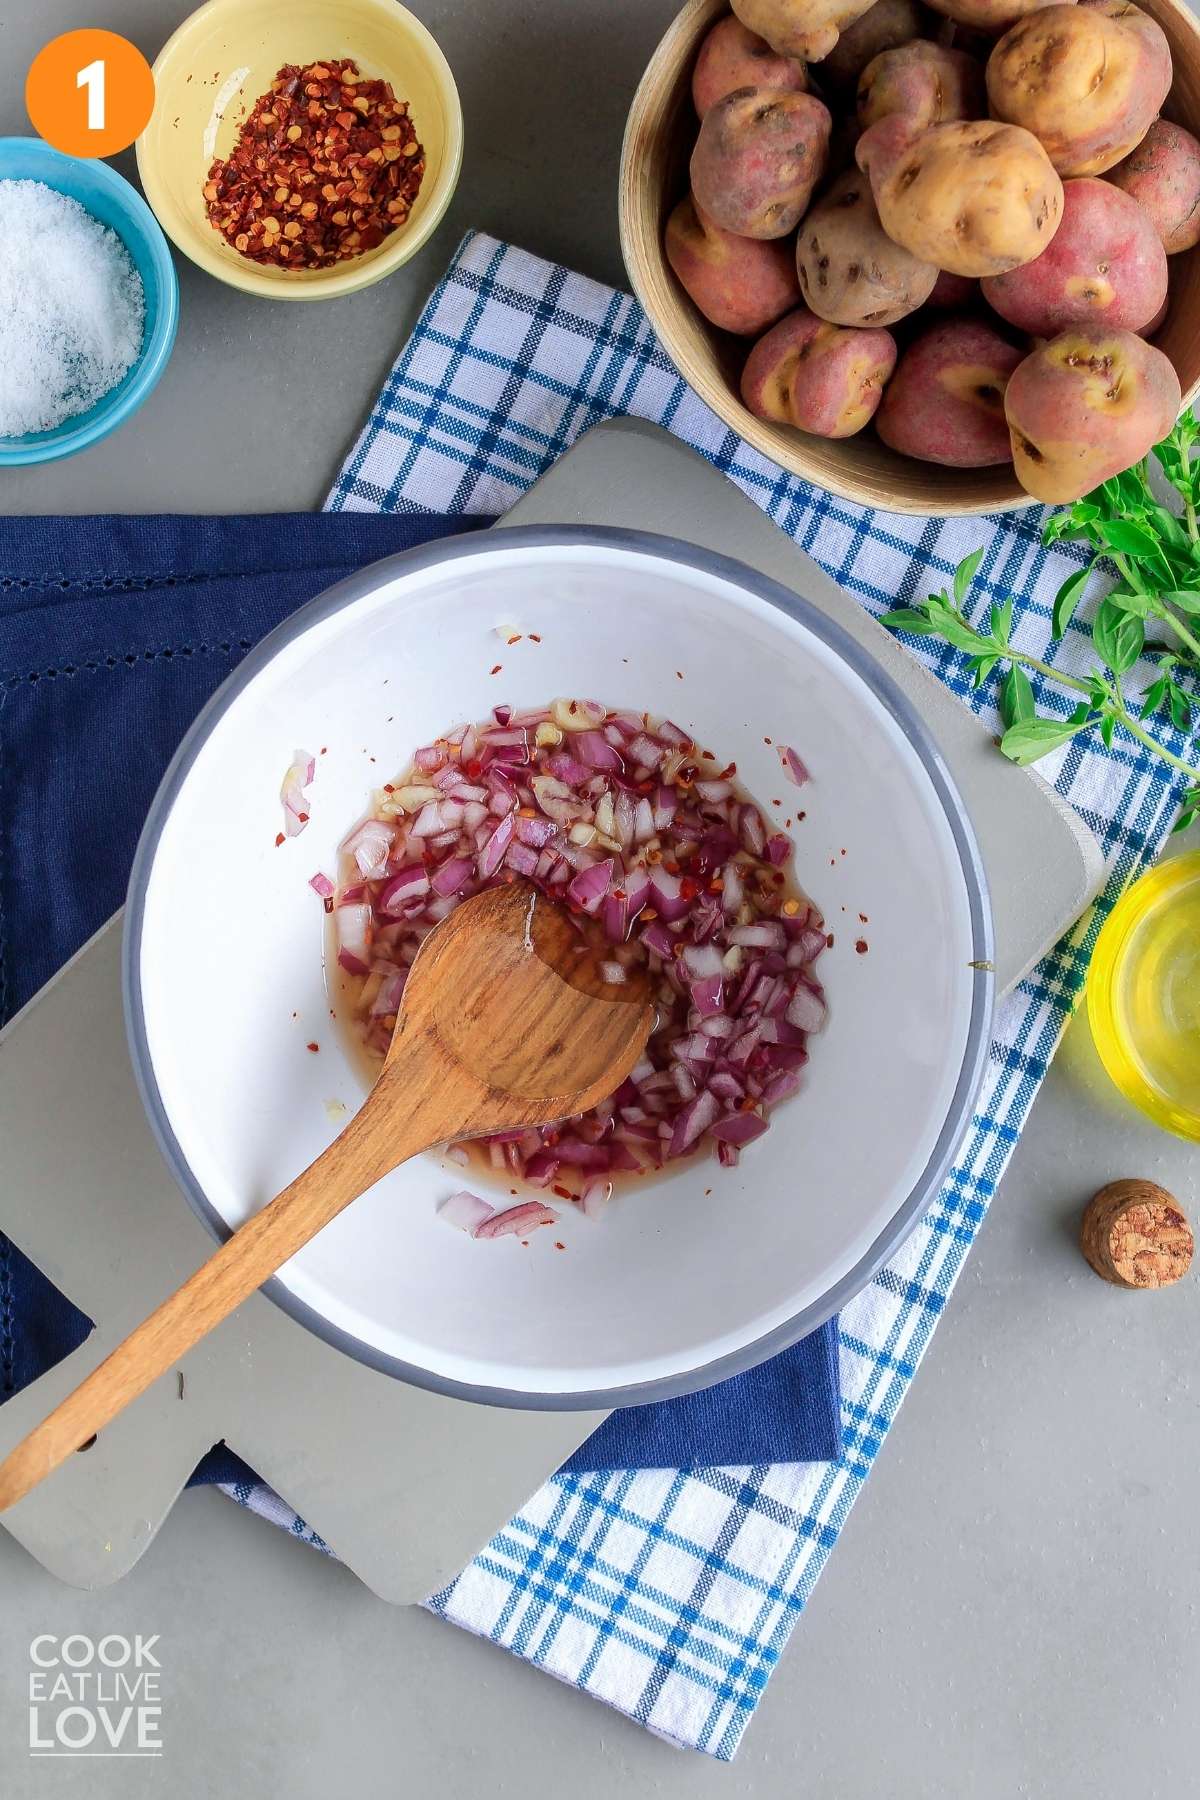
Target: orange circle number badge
89,93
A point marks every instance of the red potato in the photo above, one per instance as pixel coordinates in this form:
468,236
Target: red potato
881,27
757,160
1087,80
822,378
732,57
956,291
740,284
927,83
1163,176
808,29
1086,405
945,403
986,15
1105,265
973,198
851,272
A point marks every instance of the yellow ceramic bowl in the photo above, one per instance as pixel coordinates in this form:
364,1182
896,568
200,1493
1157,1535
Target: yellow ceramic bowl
210,73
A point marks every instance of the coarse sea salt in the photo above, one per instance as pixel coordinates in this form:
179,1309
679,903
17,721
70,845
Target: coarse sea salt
72,310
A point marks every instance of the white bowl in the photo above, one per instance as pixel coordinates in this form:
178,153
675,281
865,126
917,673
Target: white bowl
695,1274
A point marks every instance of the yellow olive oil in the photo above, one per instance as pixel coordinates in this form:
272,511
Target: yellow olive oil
1144,995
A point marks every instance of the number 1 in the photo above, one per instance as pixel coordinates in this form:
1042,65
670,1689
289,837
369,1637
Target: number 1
92,78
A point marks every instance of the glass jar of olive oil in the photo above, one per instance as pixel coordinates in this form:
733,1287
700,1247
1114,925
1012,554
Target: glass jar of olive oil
1144,995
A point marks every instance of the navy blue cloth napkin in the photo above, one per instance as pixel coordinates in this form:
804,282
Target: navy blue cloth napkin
113,634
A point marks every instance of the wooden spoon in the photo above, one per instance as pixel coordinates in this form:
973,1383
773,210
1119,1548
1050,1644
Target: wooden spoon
506,1021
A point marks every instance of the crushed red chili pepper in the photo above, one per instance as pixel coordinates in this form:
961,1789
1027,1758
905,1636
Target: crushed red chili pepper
326,166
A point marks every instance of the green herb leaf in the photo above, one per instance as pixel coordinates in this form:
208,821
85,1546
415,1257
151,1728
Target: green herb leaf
1002,618
1129,539
980,667
1108,725
1183,599
1118,636
1068,597
1142,605
907,618
1030,739
1189,810
1154,696
1016,697
964,575
1179,706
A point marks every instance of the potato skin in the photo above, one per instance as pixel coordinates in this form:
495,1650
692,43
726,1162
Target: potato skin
851,273
972,198
1085,406
1105,265
945,403
822,378
881,27
732,57
986,15
758,158
740,284
927,83
808,29
1163,176
956,291
1087,80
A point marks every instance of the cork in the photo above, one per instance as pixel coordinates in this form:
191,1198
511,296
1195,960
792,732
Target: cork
1136,1235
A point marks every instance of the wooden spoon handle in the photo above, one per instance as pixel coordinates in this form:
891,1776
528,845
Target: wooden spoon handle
355,1161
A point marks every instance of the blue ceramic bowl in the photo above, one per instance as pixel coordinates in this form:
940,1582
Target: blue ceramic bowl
109,198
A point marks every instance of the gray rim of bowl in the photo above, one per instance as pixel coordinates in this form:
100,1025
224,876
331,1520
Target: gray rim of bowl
449,550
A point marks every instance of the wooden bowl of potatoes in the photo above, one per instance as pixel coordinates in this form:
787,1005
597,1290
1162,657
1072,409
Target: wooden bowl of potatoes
934,261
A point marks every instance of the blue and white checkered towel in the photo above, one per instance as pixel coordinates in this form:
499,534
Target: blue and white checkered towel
672,1595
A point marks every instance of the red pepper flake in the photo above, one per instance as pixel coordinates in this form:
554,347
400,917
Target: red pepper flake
864,919
388,787
559,1246
534,638
497,668
709,755
563,1193
326,167
843,853
801,815
279,839
313,1047
303,818
862,946
829,940
514,640
707,1192
766,740
777,803
679,674
324,749
328,905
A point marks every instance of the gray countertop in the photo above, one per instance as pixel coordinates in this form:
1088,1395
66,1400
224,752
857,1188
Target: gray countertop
1013,1608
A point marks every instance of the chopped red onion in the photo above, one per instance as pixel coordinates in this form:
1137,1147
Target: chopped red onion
612,814
321,884
295,802
806,1009
739,1128
466,1211
516,1220
796,770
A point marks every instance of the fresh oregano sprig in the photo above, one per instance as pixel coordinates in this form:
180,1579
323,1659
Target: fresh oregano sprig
1157,560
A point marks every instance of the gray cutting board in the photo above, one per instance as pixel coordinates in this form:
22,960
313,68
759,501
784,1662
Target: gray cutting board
404,1485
